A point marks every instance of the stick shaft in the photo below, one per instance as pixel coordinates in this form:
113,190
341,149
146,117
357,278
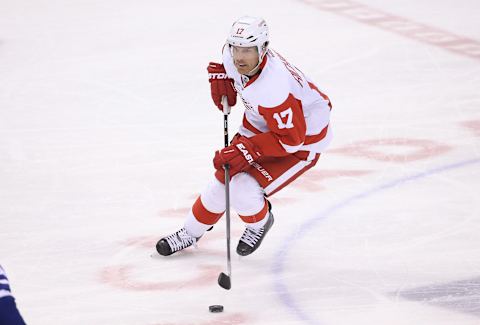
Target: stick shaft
227,217
226,111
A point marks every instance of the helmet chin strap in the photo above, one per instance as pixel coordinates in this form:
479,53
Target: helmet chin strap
255,69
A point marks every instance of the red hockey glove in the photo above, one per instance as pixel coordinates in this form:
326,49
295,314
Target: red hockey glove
239,155
221,85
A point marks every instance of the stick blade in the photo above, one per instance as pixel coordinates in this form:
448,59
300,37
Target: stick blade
224,281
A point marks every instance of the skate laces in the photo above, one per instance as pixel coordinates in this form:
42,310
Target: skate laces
180,240
251,236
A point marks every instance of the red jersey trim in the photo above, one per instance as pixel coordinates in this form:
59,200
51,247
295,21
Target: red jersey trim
312,85
309,139
294,177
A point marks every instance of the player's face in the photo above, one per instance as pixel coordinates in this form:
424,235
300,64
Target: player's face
245,58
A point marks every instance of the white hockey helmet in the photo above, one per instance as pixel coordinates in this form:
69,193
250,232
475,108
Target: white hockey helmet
250,31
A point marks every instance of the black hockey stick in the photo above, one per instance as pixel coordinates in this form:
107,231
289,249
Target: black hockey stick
224,280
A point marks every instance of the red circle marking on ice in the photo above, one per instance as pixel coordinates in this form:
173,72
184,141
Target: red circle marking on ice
121,276
234,319
473,125
419,149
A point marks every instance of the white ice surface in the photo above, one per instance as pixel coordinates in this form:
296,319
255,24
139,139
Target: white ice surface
107,132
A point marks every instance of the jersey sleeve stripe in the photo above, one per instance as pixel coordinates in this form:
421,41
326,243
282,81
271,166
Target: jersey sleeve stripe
309,139
5,286
5,293
291,149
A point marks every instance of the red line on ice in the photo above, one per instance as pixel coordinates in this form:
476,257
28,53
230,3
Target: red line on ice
399,25
419,149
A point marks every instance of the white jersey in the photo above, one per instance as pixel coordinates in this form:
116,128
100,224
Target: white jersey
285,112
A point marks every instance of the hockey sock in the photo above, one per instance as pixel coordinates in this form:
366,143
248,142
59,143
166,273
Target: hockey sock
257,220
199,219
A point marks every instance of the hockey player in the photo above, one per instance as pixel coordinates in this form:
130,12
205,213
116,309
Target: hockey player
9,314
285,128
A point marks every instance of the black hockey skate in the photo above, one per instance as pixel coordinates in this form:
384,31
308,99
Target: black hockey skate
252,238
175,242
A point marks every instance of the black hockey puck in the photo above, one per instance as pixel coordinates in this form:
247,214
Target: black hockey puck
215,308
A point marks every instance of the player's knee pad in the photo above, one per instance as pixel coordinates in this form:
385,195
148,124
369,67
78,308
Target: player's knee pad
246,195
213,196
